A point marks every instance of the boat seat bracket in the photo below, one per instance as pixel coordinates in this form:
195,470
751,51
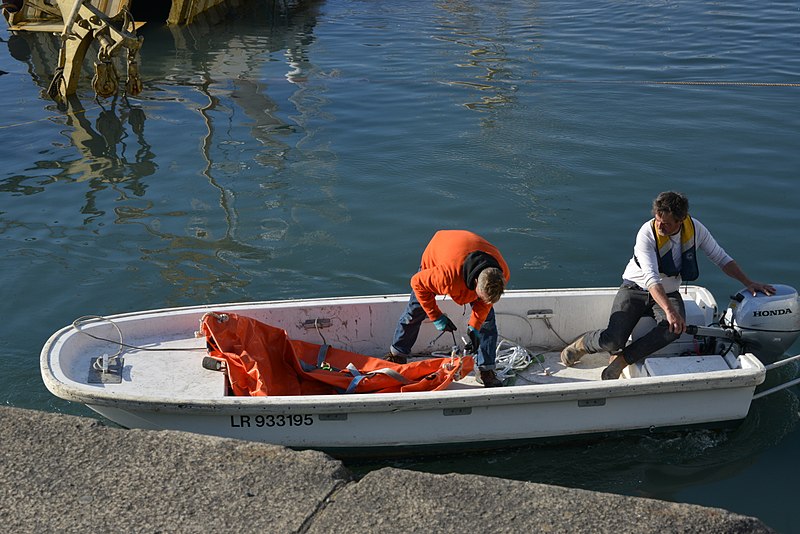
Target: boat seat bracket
106,370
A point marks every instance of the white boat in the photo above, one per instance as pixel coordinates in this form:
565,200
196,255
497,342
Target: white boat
152,375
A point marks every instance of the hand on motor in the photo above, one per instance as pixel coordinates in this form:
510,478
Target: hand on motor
755,287
474,341
677,323
444,324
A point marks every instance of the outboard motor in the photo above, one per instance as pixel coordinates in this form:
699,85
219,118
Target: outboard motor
767,325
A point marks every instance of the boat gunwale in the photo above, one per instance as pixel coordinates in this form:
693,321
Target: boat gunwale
365,299
749,376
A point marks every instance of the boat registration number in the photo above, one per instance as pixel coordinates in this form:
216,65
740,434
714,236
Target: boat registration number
250,421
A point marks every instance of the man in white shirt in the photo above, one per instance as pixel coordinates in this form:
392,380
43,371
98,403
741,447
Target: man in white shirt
664,256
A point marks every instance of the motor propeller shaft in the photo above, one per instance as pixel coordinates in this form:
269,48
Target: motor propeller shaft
711,331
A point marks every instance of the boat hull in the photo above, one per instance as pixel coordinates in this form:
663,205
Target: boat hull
481,423
163,386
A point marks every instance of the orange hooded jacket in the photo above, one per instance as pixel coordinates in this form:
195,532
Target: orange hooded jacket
450,266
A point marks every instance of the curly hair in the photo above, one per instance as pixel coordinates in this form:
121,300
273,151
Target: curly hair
673,203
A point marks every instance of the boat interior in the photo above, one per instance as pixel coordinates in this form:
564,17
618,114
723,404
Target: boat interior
546,367
148,366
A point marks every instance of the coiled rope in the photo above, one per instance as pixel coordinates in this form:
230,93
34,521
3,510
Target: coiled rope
512,358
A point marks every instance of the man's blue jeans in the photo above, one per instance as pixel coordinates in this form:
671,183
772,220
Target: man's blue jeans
408,329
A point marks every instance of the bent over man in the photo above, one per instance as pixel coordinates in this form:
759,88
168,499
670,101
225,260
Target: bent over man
471,271
664,255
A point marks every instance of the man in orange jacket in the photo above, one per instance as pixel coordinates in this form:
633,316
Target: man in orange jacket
471,271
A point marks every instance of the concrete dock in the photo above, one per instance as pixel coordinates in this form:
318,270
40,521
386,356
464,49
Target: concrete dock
60,473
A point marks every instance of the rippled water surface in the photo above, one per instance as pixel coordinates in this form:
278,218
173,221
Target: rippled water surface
311,150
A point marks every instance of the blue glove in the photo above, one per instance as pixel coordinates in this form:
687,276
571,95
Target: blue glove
474,340
444,323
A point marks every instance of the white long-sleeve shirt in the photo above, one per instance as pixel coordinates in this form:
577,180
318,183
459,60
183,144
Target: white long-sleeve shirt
646,273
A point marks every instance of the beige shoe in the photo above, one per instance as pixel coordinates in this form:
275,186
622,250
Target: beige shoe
573,352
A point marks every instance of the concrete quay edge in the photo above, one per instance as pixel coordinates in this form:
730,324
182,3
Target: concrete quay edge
62,473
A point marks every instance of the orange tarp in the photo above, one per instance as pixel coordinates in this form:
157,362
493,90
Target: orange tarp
262,360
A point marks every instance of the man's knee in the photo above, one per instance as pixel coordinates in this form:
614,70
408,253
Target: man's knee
610,342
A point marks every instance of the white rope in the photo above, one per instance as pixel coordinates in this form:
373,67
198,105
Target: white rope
512,358
77,323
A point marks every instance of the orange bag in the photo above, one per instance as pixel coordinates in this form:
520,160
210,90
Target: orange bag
262,360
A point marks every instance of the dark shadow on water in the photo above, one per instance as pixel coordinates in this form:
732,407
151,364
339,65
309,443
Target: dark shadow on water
656,465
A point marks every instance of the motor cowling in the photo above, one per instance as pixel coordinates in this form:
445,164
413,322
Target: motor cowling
767,324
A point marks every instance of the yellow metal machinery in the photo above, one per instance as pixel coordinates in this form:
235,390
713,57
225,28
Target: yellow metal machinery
82,22
79,23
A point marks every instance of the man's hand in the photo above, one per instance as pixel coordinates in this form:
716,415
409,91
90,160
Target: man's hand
733,270
474,341
756,287
677,324
676,321
444,324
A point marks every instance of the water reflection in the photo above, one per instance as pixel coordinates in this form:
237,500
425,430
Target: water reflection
208,55
109,153
113,150
240,82
39,52
488,62
226,65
